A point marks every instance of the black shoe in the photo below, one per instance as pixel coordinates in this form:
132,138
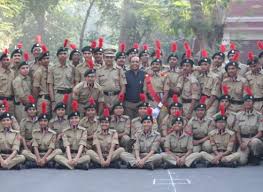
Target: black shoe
255,160
30,164
58,166
200,164
164,165
229,164
115,164
50,164
149,166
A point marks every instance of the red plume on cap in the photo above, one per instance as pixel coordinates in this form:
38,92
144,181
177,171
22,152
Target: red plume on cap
101,40
225,89
260,45
248,91
121,97
26,57
136,46
222,109
106,112
145,47
38,39
203,99
65,43
204,53
5,51
149,111
250,56
75,105
5,102
31,99
177,113
173,47
142,97
236,57
188,54
44,107
90,63
93,44
65,99
157,53
232,46
44,48
157,44
186,46
175,98
73,46
122,47
19,45
222,48
91,101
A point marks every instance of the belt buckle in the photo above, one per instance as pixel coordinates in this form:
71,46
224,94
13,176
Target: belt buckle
110,93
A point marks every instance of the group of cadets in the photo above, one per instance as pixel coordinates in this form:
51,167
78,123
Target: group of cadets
129,109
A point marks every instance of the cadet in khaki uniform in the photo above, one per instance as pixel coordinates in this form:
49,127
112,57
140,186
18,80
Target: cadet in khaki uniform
107,153
43,143
249,129
222,140
7,75
36,50
74,140
86,89
98,53
16,58
146,148
156,88
121,123
40,86
236,83
209,84
255,81
22,87
9,144
90,121
120,58
15,124
200,125
189,87
60,78
217,62
179,146
111,78
75,55
28,125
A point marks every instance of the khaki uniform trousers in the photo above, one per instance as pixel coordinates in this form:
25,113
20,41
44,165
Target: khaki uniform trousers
156,159
18,159
32,157
170,158
131,109
227,159
20,112
205,146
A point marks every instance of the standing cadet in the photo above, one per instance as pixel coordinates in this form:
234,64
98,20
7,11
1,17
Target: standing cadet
10,144
121,123
98,53
40,86
88,88
249,127
209,83
111,78
179,146
134,51
16,58
7,75
29,123
200,125
35,51
255,81
144,56
43,143
60,77
74,140
236,83
22,87
146,148
218,60
107,153
134,86
120,58
83,67
75,55
90,121
188,86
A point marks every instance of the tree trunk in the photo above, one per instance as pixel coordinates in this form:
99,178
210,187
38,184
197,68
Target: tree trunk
81,38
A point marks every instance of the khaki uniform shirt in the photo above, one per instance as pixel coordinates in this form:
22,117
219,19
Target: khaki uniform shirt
189,86
22,86
80,71
27,126
222,142
147,142
6,78
9,141
40,80
58,124
121,124
74,138
210,84
255,82
200,128
44,140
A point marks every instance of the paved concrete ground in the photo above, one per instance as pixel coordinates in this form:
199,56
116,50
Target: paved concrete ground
242,179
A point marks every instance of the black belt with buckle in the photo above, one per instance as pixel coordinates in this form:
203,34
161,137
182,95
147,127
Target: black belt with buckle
258,99
111,93
9,98
186,100
66,91
236,102
47,97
